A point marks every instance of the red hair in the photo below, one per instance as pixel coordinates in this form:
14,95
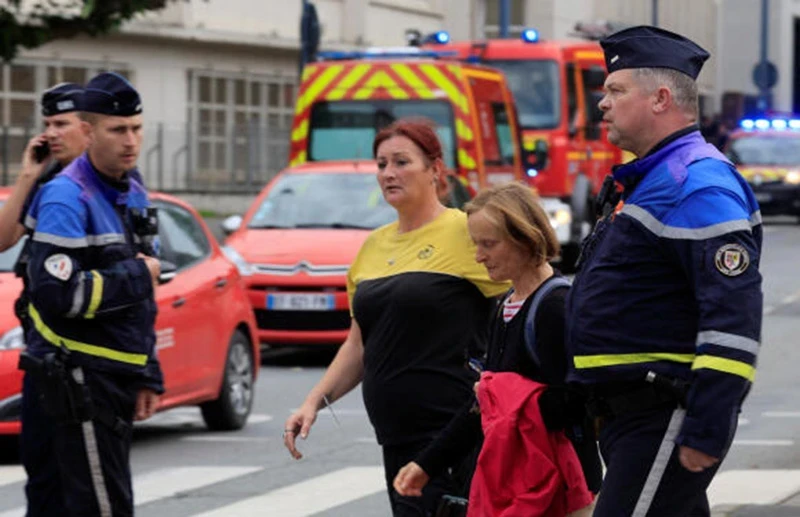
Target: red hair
419,130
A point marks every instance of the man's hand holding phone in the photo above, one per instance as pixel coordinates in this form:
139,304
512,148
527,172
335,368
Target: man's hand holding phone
35,158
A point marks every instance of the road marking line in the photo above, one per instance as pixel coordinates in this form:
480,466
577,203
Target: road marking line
12,474
343,411
734,487
311,496
781,414
164,483
764,443
225,438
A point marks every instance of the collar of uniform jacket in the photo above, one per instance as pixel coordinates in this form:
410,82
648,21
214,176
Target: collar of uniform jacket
678,147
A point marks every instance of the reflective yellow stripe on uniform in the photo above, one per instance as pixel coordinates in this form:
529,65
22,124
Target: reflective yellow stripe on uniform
85,348
97,295
600,361
722,364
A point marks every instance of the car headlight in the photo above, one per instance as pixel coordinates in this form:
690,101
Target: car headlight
13,339
244,267
792,177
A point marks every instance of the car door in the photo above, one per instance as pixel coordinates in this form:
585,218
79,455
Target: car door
186,313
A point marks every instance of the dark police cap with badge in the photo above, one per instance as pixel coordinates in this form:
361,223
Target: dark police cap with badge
651,47
62,98
111,94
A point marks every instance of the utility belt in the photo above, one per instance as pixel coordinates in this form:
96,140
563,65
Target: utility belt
64,393
607,401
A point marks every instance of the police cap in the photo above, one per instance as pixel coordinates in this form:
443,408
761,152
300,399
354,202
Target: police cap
61,98
651,47
111,94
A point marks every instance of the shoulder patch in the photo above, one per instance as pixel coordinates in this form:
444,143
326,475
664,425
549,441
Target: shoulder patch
732,259
59,266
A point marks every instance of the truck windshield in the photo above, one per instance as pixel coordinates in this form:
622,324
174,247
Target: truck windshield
535,85
338,200
344,130
765,150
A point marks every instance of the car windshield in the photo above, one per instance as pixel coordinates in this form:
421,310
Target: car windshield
9,257
324,200
765,150
536,91
344,130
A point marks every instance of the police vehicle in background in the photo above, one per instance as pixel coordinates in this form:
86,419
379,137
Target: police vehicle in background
767,153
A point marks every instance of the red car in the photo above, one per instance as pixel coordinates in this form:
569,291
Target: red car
205,331
296,242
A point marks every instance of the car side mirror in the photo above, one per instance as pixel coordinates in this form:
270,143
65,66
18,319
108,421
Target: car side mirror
231,224
168,272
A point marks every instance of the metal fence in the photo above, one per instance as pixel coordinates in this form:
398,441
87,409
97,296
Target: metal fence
204,158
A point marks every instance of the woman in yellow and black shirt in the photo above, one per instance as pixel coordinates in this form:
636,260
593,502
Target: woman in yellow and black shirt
419,303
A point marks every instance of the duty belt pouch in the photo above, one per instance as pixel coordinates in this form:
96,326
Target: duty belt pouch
64,399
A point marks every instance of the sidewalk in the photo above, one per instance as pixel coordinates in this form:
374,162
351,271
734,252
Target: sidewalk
788,508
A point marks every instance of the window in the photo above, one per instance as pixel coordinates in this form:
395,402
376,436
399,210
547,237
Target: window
535,85
21,85
516,17
504,135
344,130
240,135
183,241
769,150
591,98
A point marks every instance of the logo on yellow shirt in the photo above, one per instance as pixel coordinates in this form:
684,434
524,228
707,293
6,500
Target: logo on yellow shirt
426,252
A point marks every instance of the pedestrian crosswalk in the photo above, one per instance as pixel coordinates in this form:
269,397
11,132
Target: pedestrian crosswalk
320,494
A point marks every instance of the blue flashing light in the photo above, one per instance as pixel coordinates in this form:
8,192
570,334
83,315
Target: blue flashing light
530,35
747,124
532,173
762,123
794,124
441,37
779,124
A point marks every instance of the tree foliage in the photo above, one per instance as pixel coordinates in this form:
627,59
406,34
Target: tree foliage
31,23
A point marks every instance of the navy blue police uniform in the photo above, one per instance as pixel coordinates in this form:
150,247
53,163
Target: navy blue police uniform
665,311
93,312
61,98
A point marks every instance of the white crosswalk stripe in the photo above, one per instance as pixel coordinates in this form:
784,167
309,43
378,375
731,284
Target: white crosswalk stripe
740,487
327,491
162,483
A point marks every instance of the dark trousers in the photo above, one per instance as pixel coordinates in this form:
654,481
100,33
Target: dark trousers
450,482
644,476
57,455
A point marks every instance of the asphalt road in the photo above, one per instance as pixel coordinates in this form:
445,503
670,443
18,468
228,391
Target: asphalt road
181,469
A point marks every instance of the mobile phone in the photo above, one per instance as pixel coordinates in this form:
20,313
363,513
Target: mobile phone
41,152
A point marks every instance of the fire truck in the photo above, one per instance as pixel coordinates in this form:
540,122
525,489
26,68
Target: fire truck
345,98
557,86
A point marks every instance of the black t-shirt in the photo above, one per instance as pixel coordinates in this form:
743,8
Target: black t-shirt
422,302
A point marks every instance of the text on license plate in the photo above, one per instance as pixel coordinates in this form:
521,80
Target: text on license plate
300,302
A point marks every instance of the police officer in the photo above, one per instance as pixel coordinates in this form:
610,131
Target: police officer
665,312
90,362
45,156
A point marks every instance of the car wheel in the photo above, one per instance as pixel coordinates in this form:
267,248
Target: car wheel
231,409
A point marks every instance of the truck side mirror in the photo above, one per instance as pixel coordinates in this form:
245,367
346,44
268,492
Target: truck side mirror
594,77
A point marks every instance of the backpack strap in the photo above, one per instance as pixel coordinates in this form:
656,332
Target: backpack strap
554,282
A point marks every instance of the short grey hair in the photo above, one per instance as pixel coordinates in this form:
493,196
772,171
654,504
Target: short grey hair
683,87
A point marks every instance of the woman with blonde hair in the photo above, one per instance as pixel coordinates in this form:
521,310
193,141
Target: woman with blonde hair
515,241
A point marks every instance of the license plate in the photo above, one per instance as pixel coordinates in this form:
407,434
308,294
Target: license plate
300,302
763,197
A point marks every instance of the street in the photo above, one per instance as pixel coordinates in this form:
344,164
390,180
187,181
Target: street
181,469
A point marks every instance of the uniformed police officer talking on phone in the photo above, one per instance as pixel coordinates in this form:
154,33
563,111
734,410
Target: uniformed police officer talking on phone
90,361
665,312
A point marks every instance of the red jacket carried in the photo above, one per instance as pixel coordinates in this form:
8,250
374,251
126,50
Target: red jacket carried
523,470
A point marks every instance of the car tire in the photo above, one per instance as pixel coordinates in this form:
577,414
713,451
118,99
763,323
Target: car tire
231,409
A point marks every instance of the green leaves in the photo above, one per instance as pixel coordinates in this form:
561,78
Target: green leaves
49,20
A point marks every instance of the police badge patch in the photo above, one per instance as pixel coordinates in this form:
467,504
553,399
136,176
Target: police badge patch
59,265
732,259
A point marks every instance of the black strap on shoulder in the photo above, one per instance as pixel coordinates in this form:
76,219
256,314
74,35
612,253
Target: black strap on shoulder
554,282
